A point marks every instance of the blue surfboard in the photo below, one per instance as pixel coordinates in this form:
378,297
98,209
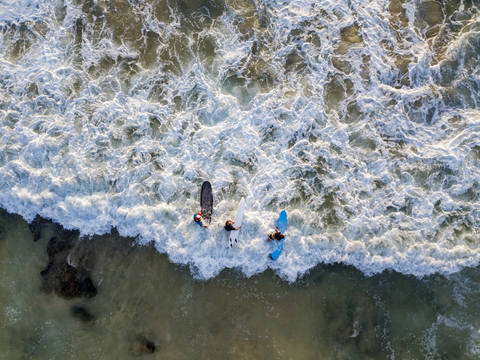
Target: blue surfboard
282,227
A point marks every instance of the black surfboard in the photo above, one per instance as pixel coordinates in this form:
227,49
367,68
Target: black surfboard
206,202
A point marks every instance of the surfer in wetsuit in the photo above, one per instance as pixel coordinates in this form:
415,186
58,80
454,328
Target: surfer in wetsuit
198,219
275,235
229,225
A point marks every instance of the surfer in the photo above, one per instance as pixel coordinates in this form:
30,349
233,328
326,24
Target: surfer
198,219
275,235
229,225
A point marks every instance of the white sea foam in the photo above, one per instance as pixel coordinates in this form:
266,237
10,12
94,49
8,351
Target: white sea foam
375,167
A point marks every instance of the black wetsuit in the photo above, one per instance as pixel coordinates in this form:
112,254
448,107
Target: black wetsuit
229,227
277,235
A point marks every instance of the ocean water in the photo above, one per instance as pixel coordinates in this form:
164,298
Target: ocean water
359,118
333,312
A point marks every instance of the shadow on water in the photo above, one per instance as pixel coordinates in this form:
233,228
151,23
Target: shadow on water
148,306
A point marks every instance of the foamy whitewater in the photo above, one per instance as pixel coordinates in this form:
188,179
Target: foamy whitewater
359,118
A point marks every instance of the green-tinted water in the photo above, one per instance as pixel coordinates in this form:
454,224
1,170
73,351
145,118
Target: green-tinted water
335,312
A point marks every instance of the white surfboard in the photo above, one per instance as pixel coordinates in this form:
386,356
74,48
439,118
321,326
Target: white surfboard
238,222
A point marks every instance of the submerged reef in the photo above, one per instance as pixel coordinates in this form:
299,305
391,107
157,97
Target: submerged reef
79,312
64,277
143,345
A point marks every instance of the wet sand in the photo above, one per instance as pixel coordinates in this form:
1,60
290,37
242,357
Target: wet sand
147,307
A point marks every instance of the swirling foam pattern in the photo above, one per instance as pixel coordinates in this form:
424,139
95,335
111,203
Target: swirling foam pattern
359,118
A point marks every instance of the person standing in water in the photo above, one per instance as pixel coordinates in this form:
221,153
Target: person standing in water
229,225
198,219
275,235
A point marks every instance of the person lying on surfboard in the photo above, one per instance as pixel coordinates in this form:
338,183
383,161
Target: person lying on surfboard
229,225
198,219
275,235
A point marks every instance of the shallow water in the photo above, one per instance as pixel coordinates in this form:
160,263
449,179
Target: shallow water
360,119
333,312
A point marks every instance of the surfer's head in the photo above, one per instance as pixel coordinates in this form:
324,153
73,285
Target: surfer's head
198,216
